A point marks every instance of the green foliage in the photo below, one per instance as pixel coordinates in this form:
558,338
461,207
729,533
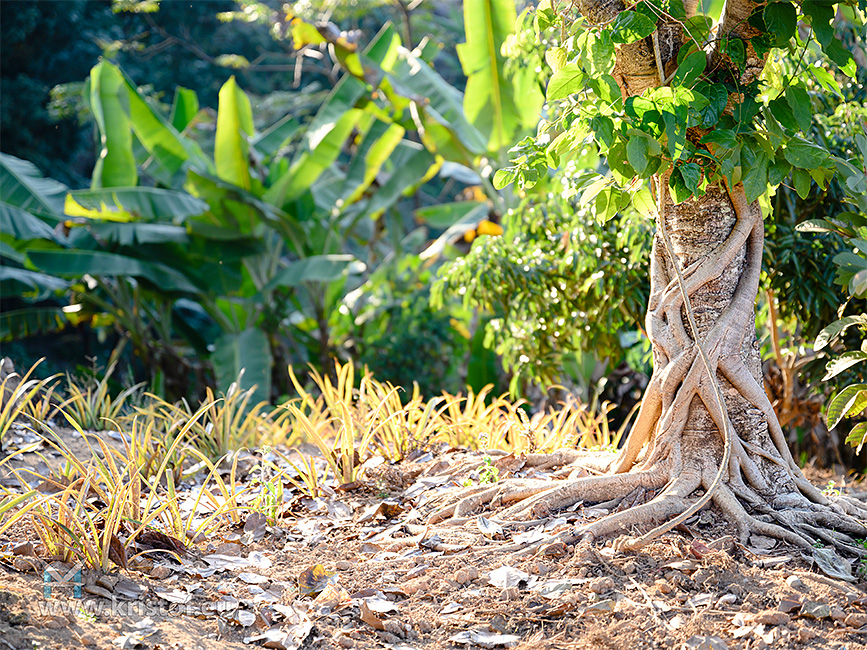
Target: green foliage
556,282
851,400
682,129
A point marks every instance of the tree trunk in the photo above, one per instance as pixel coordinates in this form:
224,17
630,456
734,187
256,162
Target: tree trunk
687,446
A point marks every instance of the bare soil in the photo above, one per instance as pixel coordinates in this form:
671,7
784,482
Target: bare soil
357,569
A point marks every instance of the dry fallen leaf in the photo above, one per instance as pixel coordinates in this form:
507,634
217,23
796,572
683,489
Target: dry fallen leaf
370,617
485,639
832,564
506,577
116,552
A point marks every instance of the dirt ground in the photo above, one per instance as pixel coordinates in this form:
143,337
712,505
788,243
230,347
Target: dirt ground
357,569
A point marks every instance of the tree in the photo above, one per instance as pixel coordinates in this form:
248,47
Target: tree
697,127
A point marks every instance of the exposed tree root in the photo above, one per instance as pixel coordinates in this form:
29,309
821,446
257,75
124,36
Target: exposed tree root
706,430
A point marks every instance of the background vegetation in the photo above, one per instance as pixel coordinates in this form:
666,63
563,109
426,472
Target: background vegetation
189,189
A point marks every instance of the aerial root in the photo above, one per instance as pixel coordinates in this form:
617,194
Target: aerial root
594,489
537,497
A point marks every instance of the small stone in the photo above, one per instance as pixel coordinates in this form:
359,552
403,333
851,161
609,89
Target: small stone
555,549
425,626
817,610
415,586
601,585
160,572
630,567
461,577
794,582
856,620
837,614
806,634
345,642
393,626
472,573
663,587
702,642
343,565
768,617
107,582
389,577
727,599
55,622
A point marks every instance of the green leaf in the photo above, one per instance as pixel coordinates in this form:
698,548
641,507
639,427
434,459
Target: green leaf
269,142
679,191
115,163
607,204
23,226
247,351
815,225
23,186
806,155
412,165
500,106
780,20
723,137
556,58
733,47
169,151
778,171
316,268
445,215
675,131
75,263
131,203
821,14
567,80
185,106
848,402
504,177
309,164
596,52
799,102
630,26
802,181
17,282
690,69
234,128
698,27
782,112
857,436
843,362
637,153
754,163
836,328
691,174
717,97
377,145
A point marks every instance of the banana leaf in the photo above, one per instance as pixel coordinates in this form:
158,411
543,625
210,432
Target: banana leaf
115,163
134,203
234,128
316,268
247,351
500,108
75,263
22,185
